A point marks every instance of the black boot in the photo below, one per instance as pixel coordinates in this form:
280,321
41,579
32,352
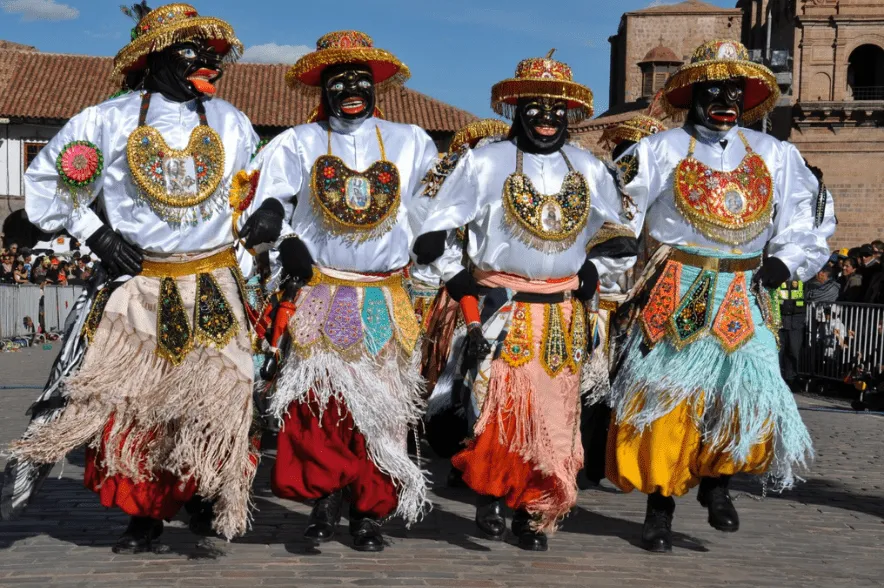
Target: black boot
324,518
140,536
201,515
455,478
489,517
366,532
529,539
715,497
657,530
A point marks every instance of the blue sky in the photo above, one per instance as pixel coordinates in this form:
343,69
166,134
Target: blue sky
456,49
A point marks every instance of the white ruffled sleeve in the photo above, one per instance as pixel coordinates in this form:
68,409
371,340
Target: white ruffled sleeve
805,217
52,204
280,175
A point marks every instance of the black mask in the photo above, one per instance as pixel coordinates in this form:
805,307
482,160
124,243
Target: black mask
183,71
348,91
621,148
718,106
540,125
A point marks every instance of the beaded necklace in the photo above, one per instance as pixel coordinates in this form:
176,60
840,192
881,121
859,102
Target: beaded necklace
360,205
548,222
176,184
728,207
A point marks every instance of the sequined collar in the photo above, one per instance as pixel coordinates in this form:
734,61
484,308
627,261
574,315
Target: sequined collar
727,207
357,205
176,184
551,222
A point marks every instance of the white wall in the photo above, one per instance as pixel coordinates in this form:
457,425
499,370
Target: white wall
13,137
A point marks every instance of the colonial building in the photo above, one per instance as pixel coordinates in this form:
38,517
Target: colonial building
829,59
833,54
40,91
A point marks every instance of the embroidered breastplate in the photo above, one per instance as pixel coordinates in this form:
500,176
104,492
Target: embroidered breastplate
361,205
176,184
552,222
727,207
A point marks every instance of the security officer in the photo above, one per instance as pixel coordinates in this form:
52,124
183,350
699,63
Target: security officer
792,331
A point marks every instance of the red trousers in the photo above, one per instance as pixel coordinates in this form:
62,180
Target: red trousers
317,457
159,498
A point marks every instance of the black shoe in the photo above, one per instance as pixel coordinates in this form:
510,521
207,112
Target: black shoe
324,518
489,517
140,536
366,532
657,530
455,478
201,516
715,496
529,539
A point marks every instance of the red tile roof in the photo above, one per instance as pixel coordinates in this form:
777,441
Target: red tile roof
54,86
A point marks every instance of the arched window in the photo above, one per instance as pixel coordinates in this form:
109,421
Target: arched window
865,73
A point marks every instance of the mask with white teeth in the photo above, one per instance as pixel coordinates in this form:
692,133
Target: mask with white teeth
348,91
540,124
717,105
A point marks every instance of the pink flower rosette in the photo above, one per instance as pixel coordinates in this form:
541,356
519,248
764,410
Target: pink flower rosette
79,163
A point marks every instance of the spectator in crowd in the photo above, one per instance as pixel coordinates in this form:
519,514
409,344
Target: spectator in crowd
869,264
19,274
878,248
823,287
27,258
13,249
851,282
7,268
52,272
38,272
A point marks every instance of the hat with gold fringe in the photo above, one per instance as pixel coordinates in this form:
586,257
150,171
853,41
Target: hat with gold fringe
634,129
718,60
346,47
163,27
478,130
542,77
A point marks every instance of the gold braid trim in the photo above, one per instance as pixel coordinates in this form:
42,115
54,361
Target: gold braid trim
321,278
609,231
201,27
507,91
323,58
721,69
163,269
476,131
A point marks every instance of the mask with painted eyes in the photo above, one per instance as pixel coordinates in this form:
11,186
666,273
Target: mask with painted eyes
348,91
184,71
718,106
540,124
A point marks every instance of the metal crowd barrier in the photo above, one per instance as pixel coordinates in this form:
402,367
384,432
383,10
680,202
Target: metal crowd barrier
841,337
48,306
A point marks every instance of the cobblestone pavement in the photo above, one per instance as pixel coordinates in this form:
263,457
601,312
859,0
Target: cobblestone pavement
828,532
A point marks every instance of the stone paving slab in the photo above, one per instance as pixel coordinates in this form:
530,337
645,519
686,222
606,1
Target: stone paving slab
827,532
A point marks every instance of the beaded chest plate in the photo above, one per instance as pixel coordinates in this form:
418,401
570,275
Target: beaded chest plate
552,222
727,207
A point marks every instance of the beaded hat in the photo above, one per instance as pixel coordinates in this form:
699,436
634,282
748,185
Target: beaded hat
634,129
345,47
542,77
167,25
478,130
724,60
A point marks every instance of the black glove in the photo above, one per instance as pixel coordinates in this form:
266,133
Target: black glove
264,225
296,259
589,281
477,345
429,247
463,284
772,274
116,255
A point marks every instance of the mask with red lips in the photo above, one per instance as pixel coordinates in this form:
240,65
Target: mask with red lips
718,106
184,71
540,125
348,91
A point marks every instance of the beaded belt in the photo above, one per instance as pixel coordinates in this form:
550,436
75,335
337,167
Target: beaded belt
384,279
171,269
723,265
